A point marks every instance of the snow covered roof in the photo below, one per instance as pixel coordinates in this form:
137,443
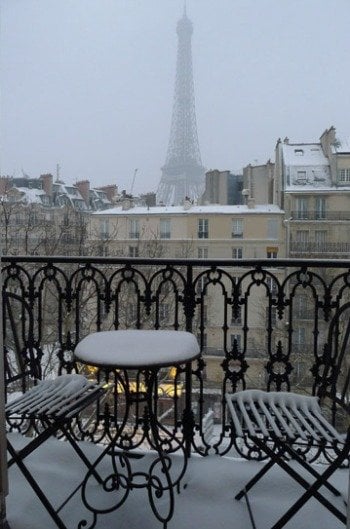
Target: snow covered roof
193,210
342,145
29,195
303,154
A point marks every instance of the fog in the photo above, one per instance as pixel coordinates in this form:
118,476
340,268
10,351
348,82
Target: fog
88,84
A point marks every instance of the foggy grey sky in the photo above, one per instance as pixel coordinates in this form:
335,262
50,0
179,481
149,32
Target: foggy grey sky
89,84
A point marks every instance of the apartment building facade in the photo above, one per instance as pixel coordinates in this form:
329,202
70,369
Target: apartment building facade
43,216
205,232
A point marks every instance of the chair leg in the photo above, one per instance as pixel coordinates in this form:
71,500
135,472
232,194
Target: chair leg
310,469
81,454
313,491
255,479
37,489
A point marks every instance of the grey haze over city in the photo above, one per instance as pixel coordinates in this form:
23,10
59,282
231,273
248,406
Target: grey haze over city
89,84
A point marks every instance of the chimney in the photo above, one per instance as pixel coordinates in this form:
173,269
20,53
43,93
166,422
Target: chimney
127,204
187,203
84,189
110,190
47,181
251,203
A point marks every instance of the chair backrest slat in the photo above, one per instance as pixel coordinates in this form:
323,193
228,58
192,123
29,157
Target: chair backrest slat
335,379
21,365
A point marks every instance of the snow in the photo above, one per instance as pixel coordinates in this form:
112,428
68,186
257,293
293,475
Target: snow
285,412
203,210
52,396
31,195
137,348
207,502
343,146
304,154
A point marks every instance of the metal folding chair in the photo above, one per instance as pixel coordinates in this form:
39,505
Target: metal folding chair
284,426
46,408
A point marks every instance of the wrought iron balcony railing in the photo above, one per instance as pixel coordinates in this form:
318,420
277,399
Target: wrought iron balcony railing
315,247
321,214
71,297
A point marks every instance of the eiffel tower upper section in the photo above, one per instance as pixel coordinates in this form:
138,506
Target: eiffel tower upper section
183,173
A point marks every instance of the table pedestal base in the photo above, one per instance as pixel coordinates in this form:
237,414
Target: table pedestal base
159,480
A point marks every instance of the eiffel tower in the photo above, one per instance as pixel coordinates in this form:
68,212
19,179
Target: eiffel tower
182,173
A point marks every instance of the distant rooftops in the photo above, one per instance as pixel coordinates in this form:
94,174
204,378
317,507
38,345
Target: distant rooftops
45,191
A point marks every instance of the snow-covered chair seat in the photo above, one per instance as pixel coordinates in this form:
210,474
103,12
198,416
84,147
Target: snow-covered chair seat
54,399
285,426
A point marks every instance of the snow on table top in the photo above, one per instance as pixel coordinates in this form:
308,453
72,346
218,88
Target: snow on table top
137,348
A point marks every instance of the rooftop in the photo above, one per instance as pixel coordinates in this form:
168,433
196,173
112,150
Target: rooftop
192,210
211,484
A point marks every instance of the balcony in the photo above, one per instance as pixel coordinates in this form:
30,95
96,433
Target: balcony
319,215
71,297
315,247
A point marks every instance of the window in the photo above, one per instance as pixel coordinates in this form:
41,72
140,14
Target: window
200,285
299,338
134,228
202,253
272,229
298,152
104,228
302,239
238,319
165,231
301,177
271,252
271,285
163,312
301,306
132,312
302,208
203,228
344,175
103,250
320,212
237,253
271,311
320,239
236,340
302,236
133,251
237,228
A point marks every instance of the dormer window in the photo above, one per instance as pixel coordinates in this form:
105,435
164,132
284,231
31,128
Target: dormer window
301,177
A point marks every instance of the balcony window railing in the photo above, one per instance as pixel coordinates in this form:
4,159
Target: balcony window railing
71,297
319,214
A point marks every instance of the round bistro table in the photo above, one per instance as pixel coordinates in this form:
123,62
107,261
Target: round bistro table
147,351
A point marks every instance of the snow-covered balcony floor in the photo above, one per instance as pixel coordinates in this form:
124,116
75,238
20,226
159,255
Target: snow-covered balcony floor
207,502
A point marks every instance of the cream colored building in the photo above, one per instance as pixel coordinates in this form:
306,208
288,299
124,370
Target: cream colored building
205,232
315,179
209,231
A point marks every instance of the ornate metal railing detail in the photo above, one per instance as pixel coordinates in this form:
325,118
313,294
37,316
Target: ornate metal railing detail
259,323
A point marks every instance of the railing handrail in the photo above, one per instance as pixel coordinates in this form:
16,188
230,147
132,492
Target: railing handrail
198,262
